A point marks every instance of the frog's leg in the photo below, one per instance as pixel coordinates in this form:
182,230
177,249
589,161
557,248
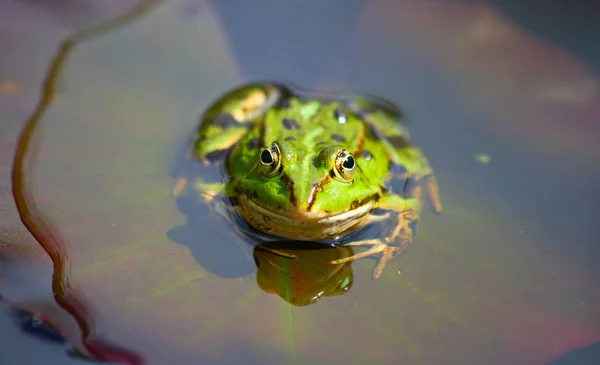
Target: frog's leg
228,119
416,174
410,165
409,162
402,234
208,191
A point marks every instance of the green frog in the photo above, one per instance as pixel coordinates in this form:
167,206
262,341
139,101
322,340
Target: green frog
308,168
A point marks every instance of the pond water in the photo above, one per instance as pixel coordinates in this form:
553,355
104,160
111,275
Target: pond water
128,273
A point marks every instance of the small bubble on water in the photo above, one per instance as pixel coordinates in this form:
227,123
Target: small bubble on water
483,158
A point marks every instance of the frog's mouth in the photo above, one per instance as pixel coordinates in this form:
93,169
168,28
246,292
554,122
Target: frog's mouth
305,225
317,217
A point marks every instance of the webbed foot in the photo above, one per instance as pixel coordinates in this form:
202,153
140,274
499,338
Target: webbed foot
382,250
401,236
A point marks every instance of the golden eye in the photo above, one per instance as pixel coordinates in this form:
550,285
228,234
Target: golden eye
344,166
270,160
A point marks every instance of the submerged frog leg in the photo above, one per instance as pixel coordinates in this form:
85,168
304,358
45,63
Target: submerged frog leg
409,212
379,248
208,191
417,173
179,186
433,193
402,234
421,177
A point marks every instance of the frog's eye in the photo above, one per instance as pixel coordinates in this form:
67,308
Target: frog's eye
345,166
270,160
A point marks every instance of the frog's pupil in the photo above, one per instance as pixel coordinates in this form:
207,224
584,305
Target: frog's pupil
348,163
266,158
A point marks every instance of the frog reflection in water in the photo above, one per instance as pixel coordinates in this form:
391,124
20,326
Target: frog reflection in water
306,279
309,169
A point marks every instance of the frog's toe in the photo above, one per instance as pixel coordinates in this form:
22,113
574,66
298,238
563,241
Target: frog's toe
179,186
414,190
387,253
404,231
433,193
378,248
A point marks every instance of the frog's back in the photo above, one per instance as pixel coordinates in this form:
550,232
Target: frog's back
309,125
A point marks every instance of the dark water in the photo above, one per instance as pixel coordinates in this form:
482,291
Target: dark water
504,101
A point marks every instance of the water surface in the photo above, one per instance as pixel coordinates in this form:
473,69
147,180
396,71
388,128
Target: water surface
509,121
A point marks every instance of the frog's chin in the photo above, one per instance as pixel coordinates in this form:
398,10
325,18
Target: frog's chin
303,225
304,215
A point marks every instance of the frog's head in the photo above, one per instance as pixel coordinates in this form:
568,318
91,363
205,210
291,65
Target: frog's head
309,174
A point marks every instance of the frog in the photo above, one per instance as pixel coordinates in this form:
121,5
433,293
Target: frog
313,167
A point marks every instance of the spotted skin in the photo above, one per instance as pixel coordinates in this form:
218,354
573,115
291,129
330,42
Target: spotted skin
306,169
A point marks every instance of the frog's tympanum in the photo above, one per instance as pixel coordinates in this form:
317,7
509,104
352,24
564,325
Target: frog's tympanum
308,168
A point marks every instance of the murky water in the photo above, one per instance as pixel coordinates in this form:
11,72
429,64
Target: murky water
507,274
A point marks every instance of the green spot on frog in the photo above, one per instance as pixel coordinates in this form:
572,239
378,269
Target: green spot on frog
309,109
